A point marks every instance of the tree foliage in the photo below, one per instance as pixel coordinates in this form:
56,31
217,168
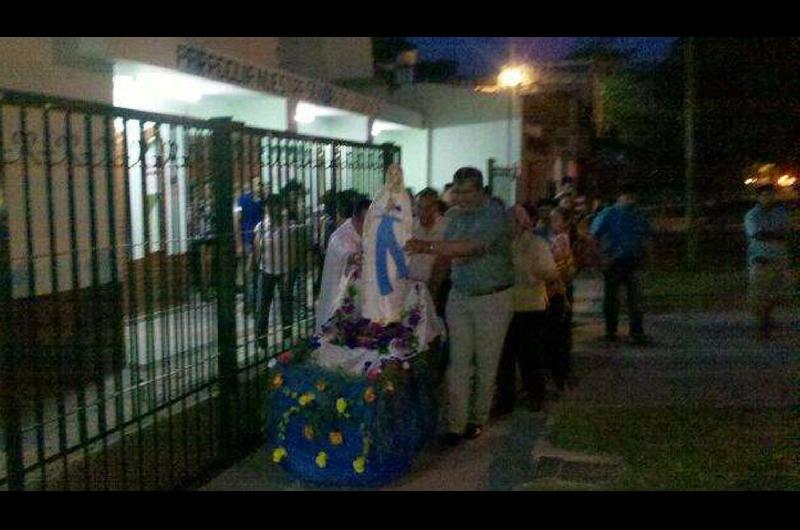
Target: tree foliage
747,110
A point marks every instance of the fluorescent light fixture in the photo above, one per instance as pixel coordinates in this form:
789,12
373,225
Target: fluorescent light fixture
380,126
307,112
143,84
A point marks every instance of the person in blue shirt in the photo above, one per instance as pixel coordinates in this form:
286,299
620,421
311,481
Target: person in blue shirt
767,227
250,212
622,231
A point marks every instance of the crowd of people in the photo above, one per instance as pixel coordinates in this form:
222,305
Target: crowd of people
501,278
509,301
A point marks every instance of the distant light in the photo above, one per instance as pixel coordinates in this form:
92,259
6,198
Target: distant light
786,181
750,181
513,76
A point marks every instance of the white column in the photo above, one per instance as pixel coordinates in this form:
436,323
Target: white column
429,160
370,123
291,109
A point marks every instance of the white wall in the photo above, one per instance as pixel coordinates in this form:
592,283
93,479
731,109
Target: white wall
414,154
446,105
472,145
266,112
352,127
36,64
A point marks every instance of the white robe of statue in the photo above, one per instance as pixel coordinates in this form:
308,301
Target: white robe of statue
387,227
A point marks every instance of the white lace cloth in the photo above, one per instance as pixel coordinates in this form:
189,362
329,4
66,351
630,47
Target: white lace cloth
358,360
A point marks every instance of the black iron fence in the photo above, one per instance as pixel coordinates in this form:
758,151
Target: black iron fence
134,350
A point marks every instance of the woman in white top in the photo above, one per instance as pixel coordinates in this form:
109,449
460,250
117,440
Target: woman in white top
524,344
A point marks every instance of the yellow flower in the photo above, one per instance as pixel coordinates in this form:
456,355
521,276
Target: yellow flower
359,464
369,395
336,438
321,385
306,398
322,459
279,454
277,381
341,405
308,432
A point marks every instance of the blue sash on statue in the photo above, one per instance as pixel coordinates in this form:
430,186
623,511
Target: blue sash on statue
385,244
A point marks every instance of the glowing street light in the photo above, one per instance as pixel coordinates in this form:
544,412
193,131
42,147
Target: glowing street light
514,76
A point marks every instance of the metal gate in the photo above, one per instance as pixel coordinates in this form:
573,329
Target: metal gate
132,354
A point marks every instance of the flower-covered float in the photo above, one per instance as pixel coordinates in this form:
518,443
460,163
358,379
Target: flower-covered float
354,405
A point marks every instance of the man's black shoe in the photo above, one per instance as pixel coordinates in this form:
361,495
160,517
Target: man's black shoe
451,439
473,431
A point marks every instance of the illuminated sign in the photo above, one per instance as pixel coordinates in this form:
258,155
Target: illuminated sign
220,68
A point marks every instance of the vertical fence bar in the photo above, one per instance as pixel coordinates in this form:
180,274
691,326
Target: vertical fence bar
272,233
177,278
54,282
10,400
191,161
164,270
222,173
75,286
277,235
97,350
179,288
147,242
117,336
133,303
33,356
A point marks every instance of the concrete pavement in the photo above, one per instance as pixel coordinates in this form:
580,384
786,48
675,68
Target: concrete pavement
698,359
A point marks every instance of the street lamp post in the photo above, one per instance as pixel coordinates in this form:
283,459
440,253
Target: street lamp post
512,77
511,95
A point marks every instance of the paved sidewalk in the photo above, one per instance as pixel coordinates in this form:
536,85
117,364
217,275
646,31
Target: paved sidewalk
708,359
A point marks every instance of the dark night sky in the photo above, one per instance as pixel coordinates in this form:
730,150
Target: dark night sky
483,55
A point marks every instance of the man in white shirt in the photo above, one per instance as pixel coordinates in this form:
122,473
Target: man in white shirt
279,246
343,247
429,225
